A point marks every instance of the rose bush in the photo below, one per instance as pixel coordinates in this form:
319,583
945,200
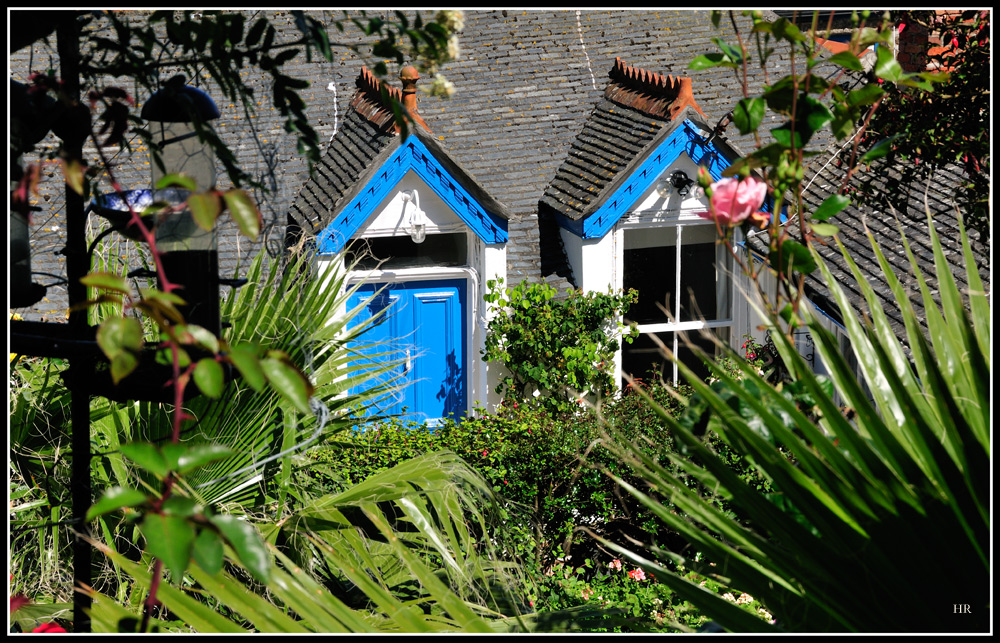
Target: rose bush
733,201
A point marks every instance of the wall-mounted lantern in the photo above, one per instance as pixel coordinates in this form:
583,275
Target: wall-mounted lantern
678,182
417,222
190,253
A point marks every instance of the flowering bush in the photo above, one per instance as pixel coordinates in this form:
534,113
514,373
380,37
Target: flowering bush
733,201
637,574
634,601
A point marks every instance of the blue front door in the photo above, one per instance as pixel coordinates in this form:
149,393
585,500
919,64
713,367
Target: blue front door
424,328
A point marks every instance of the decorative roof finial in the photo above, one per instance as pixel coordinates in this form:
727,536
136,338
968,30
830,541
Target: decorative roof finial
651,93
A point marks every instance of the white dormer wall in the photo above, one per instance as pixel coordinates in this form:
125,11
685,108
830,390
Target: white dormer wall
599,263
391,219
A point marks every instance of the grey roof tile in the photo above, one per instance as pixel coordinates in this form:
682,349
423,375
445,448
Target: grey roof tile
527,81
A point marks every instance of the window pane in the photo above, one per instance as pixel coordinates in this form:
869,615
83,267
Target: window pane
643,359
698,279
650,266
651,272
401,252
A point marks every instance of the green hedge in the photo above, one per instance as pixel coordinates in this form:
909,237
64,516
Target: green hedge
546,464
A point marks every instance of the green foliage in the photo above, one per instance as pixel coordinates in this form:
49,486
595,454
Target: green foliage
901,479
630,600
933,130
545,466
554,483
563,349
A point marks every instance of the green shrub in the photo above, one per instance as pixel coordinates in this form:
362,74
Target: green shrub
561,348
546,466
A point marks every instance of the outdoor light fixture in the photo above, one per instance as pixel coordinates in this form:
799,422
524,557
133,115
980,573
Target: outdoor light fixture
681,182
417,221
190,253
678,182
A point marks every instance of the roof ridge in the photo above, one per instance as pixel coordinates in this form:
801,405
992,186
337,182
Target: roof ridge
658,95
369,102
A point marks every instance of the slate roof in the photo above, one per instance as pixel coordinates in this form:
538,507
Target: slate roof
527,81
638,110
363,136
884,223
363,143
636,107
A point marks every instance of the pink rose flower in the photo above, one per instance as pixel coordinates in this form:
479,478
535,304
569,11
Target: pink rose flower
734,201
637,574
615,564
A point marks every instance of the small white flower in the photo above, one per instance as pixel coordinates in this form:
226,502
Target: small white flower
450,19
454,51
729,597
441,87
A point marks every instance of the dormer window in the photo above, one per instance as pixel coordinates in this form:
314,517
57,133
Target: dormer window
684,282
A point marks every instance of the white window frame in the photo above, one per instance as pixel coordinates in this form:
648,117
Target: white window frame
679,221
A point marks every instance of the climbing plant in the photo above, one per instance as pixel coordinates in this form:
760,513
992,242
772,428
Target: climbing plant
558,350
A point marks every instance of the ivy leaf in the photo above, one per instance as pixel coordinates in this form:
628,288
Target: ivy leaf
792,254
205,209
246,543
825,229
843,121
203,337
207,551
177,180
146,456
180,506
209,377
730,52
866,95
244,212
245,359
748,114
706,61
120,338
786,138
114,499
288,380
924,80
780,95
169,538
201,454
785,30
831,206
817,115
880,149
165,303
172,453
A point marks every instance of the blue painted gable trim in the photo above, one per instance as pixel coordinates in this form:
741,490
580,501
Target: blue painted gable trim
685,138
411,155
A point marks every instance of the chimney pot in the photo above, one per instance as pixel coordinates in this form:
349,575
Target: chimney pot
409,76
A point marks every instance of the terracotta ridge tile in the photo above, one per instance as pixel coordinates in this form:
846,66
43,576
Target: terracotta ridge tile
369,103
658,95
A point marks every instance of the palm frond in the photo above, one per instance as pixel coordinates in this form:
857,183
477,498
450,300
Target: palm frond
880,522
